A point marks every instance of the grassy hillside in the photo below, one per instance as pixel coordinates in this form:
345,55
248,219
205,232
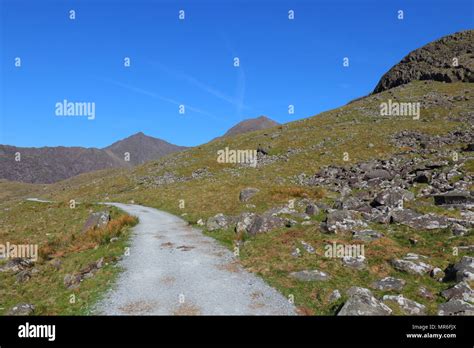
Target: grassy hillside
355,132
63,248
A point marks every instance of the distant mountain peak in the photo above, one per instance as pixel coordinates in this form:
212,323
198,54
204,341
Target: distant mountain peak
52,164
250,125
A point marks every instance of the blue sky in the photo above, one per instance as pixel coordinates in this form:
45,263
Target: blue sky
190,62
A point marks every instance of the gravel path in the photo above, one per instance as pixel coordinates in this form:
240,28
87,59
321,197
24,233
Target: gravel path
173,269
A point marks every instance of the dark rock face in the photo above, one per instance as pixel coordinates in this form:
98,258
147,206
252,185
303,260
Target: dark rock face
453,198
434,62
461,271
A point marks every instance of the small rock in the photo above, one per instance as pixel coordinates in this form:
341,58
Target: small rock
247,193
335,295
98,219
310,275
312,209
354,262
366,235
308,247
22,309
389,284
296,252
437,273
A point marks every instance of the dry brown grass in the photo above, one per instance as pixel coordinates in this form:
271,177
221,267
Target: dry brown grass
90,239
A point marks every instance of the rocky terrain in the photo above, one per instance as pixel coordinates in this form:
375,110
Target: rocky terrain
449,59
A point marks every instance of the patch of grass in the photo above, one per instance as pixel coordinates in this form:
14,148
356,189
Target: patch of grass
57,230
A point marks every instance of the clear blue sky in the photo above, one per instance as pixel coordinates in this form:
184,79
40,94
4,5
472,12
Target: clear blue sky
190,62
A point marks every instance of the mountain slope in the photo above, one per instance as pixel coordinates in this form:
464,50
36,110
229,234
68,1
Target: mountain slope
142,148
51,164
250,125
346,177
449,59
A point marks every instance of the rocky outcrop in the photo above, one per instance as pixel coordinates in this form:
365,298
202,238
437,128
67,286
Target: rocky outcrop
449,59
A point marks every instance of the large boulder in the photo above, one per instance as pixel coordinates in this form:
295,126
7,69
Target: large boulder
362,302
219,221
244,221
342,221
265,223
389,198
412,265
460,291
462,271
408,306
418,221
98,219
454,198
456,307
382,174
